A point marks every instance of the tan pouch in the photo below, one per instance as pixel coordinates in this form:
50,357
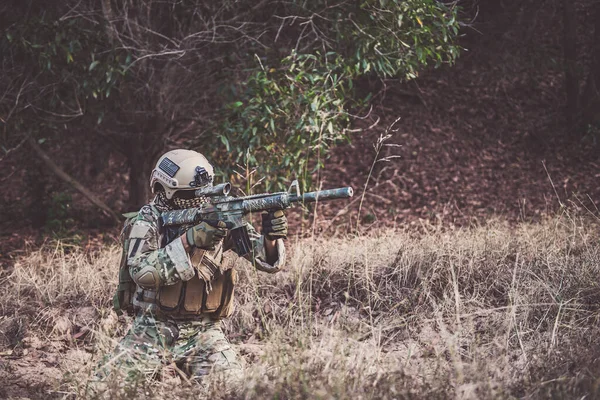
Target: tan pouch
213,298
168,296
194,295
230,279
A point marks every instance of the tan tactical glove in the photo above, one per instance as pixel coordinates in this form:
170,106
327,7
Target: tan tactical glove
206,235
274,225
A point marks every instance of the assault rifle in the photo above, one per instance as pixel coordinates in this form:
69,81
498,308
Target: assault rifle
233,210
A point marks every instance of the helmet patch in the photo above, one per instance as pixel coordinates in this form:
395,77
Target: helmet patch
201,177
169,167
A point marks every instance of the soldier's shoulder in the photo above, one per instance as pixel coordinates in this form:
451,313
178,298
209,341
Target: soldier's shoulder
148,213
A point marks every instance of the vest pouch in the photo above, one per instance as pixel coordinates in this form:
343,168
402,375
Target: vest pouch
123,298
168,296
230,280
213,298
194,295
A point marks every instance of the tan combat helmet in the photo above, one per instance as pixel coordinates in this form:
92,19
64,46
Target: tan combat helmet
181,170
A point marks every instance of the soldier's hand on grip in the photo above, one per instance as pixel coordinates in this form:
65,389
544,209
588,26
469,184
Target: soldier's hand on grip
274,225
205,235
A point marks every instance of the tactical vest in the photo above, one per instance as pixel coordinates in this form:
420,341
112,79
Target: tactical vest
213,298
123,297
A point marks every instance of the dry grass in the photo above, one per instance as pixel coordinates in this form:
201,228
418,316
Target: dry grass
489,312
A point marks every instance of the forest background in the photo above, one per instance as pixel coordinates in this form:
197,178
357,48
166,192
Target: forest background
455,122
269,97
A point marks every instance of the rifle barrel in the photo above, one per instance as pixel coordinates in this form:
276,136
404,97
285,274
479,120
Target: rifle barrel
321,195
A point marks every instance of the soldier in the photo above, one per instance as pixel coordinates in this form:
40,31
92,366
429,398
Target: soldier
183,287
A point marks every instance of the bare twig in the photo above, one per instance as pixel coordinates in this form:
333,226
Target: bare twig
378,146
71,181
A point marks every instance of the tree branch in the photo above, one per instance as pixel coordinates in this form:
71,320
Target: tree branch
71,181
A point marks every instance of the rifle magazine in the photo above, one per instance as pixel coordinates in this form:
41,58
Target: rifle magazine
241,240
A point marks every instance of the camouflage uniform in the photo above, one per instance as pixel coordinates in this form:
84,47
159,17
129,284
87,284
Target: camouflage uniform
181,299
195,347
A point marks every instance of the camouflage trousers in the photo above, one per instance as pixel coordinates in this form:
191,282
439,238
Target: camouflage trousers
192,348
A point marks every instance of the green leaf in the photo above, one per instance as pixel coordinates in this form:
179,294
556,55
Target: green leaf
225,142
93,65
330,127
315,104
272,123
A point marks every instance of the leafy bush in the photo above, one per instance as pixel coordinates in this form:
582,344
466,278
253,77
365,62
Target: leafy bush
268,85
290,110
58,220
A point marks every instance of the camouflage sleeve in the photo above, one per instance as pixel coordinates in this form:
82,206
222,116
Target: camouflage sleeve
149,265
258,255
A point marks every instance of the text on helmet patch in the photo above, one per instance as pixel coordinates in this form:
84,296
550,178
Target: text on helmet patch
169,167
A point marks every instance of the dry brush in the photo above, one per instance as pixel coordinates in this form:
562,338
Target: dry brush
494,311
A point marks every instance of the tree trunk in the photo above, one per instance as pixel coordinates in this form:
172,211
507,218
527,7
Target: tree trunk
591,94
141,157
36,180
139,178
570,65
109,17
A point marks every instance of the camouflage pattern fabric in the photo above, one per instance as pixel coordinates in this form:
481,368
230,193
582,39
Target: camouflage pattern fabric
190,347
170,264
205,235
193,347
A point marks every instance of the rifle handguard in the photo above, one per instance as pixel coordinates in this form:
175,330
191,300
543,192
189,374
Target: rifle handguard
321,195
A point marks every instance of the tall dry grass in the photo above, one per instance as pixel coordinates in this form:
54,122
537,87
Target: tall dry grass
496,311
